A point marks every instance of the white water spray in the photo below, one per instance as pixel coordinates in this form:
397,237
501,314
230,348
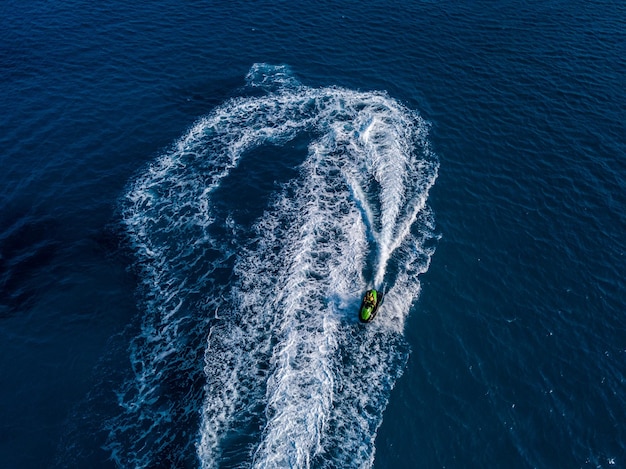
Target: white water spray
286,362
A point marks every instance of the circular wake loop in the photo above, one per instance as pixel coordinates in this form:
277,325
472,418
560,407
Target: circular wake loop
290,378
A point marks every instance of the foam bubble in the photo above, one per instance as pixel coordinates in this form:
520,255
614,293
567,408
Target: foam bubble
290,378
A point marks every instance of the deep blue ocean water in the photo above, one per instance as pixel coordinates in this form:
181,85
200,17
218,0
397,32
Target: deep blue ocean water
195,196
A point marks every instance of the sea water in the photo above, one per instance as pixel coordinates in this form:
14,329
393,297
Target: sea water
195,198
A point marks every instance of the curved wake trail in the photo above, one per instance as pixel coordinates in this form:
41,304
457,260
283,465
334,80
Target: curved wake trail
290,378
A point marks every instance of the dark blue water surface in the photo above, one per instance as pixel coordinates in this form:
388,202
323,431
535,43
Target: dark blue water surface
194,196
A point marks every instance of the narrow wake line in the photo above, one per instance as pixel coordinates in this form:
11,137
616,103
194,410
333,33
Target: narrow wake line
286,363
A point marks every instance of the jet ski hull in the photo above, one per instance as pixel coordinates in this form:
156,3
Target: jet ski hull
367,312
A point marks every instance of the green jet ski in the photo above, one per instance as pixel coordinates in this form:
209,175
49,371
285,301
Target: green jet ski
369,305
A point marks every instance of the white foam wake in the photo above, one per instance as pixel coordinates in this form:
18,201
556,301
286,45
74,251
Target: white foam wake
291,378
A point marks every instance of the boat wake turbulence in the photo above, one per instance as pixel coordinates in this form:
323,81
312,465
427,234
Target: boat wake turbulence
255,237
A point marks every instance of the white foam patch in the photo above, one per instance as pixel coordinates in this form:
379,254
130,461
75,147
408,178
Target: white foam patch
292,378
